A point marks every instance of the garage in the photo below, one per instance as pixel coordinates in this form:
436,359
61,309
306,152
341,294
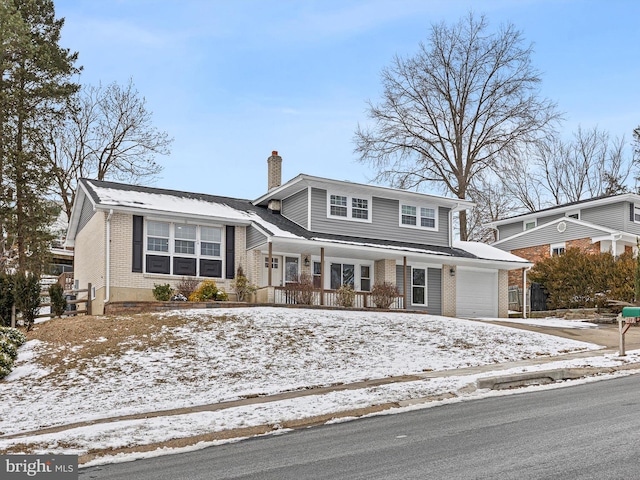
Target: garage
476,292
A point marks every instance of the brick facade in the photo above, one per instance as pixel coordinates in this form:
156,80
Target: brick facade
449,291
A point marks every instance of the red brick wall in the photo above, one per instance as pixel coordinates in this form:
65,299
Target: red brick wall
585,245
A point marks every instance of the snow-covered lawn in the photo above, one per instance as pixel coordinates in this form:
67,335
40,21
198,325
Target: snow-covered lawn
207,356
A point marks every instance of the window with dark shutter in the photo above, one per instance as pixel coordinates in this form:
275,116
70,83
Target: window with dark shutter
138,243
230,252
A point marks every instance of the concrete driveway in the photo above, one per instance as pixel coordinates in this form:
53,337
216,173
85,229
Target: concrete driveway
605,334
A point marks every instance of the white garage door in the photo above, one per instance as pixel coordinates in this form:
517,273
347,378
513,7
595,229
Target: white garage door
477,293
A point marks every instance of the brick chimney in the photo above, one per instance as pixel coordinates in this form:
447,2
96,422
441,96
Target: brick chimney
274,174
275,170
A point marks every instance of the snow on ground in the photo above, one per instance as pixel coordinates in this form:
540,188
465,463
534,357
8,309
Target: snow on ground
225,354
545,322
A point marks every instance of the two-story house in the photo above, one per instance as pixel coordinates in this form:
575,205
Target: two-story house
603,224
128,238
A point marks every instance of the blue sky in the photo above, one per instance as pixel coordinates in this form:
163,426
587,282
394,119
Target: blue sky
233,80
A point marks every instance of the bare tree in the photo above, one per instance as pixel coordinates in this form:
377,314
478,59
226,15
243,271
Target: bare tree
107,135
448,111
493,202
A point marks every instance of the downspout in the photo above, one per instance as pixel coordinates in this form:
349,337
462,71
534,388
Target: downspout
108,259
524,290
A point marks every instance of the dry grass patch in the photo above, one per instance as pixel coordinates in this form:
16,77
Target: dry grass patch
75,341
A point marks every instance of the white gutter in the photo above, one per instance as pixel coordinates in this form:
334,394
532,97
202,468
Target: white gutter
524,291
108,258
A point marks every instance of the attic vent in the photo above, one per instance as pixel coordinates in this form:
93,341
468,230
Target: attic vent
562,226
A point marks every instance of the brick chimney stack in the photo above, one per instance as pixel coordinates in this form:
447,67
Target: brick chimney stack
274,163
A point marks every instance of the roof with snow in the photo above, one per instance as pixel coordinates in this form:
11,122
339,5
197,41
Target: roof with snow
150,201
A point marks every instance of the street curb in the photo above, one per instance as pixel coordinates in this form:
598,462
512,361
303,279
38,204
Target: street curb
503,382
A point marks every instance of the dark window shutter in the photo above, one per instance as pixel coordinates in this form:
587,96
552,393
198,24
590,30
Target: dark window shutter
184,266
631,212
158,264
138,242
211,268
231,252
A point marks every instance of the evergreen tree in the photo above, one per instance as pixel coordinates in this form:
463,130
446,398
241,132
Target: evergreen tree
35,84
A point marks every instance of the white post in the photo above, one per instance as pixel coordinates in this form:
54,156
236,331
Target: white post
524,293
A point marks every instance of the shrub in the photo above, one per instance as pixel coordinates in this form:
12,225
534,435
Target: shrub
384,294
578,279
187,286
9,348
13,335
6,364
58,302
10,340
345,296
162,292
301,291
241,285
6,298
178,297
206,291
27,297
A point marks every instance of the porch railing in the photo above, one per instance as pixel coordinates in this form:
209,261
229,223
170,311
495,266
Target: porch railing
283,295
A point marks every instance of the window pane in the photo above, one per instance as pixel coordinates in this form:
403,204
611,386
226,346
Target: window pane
428,222
418,276
359,203
364,271
348,272
317,268
157,244
338,211
408,210
210,234
291,269
418,295
186,232
407,220
210,249
359,213
339,200
365,284
157,229
336,275
184,246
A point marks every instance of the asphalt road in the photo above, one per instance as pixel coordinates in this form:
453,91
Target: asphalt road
589,431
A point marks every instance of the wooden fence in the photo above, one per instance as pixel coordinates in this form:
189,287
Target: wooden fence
75,297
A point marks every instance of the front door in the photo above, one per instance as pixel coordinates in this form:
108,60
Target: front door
276,271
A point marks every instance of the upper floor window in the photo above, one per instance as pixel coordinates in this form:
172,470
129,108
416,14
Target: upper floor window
528,225
416,216
573,214
350,207
636,213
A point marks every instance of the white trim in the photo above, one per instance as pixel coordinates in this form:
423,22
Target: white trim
526,222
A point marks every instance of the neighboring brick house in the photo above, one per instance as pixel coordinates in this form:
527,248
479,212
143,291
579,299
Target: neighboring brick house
128,238
603,224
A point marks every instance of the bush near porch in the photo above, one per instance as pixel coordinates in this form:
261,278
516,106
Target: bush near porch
577,279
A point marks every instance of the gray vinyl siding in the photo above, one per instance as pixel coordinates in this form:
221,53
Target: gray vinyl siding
85,215
384,225
510,229
296,208
548,218
434,289
615,216
548,235
254,237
